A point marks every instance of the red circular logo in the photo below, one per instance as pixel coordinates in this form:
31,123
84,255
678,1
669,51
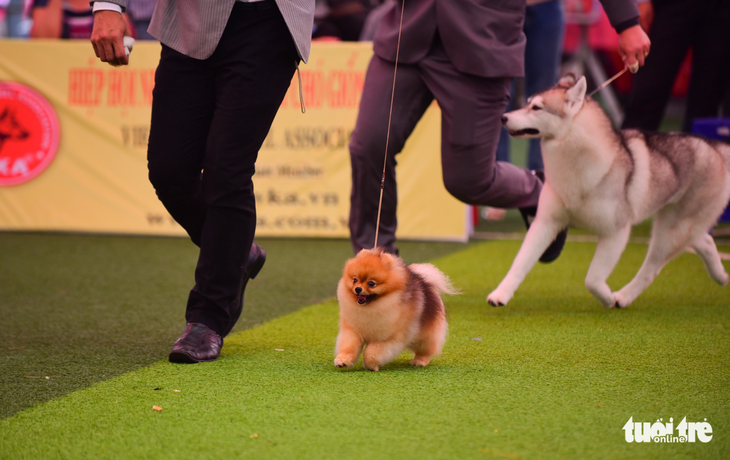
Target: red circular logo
29,134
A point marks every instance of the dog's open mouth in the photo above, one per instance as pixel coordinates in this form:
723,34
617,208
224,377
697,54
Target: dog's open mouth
363,299
524,132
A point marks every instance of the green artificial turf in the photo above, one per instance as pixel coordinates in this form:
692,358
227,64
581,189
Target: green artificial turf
552,375
81,308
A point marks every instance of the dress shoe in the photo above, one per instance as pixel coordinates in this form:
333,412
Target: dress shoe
556,247
256,259
198,343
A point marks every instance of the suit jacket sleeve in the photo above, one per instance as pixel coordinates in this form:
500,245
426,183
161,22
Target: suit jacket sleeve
194,27
621,13
481,37
122,3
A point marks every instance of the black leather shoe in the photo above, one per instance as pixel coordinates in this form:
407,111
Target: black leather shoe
256,260
556,247
198,343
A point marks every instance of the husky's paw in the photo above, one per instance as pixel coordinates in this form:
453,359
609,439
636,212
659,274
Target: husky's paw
498,299
620,301
343,362
420,361
724,279
609,301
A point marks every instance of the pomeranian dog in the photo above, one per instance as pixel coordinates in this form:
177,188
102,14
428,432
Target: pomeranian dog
386,307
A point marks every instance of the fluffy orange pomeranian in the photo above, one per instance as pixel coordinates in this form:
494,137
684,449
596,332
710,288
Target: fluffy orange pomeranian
387,307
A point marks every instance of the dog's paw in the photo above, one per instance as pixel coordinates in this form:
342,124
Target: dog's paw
421,361
371,364
498,299
724,279
609,302
343,362
619,301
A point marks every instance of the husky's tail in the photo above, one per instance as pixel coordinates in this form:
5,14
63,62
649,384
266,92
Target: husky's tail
434,277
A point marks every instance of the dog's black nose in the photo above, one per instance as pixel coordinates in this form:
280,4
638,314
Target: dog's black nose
358,290
504,119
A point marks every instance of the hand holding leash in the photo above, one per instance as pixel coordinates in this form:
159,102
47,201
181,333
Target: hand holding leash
107,38
633,69
634,46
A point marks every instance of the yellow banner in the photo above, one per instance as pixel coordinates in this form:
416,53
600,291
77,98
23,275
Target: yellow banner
73,140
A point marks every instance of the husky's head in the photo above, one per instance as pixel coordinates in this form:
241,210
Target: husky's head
549,113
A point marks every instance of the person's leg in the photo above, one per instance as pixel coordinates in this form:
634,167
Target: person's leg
17,21
178,135
504,144
670,35
367,149
504,154
544,28
183,102
710,63
253,63
472,108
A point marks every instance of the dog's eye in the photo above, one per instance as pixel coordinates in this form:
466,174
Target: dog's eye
371,284
536,107
354,280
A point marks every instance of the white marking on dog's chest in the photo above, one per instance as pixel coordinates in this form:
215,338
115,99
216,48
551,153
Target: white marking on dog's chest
573,177
576,169
376,320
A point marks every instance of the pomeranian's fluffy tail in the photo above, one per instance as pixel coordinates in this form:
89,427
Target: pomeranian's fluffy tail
434,277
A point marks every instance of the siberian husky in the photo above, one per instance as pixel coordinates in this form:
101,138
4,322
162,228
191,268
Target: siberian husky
607,180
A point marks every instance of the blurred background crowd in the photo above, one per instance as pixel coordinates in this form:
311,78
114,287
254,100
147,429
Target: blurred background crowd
69,19
687,75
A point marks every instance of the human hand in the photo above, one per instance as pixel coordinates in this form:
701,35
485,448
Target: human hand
107,37
633,46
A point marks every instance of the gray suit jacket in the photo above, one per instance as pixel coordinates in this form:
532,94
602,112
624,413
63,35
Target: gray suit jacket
481,37
194,27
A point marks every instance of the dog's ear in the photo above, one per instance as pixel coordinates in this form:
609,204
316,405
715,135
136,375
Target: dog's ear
568,80
576,95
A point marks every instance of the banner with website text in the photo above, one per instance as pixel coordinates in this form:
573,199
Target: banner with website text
73,140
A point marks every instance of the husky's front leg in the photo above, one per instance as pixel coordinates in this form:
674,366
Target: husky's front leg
551,218
608,252
542,232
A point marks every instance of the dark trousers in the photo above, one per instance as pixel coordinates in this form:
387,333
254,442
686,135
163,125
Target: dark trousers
678,25
209,119
545,30
471,108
